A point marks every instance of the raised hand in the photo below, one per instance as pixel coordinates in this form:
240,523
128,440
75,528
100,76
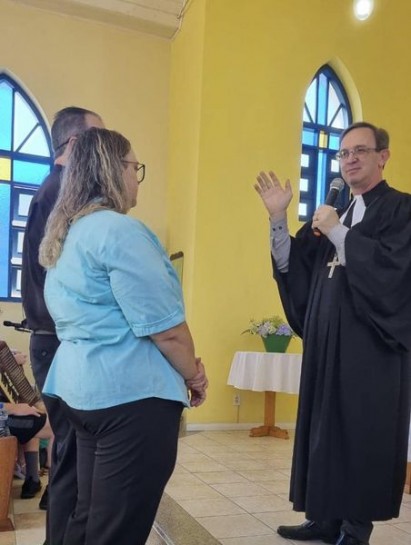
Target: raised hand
275,197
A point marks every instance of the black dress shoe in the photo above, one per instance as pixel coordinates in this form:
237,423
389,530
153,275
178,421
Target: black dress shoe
345,539
307,531
30,488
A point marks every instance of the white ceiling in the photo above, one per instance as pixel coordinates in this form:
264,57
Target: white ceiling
159,17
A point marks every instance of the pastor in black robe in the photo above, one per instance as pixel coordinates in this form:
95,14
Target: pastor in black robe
351,441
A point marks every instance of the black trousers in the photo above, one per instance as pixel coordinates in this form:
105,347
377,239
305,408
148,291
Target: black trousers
361,530
63,473
125,456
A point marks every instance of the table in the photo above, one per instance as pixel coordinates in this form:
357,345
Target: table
268,372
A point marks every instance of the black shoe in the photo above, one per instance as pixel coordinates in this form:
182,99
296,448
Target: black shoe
30,488
345,539
44,499
307,531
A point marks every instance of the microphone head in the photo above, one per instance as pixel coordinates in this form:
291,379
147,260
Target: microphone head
338,184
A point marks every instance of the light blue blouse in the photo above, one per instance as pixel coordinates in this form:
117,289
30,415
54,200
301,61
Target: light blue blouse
111,288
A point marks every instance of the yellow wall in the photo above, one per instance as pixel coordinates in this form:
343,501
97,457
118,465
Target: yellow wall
257,61
123,75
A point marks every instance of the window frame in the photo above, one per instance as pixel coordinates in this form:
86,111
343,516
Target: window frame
319,171
17,222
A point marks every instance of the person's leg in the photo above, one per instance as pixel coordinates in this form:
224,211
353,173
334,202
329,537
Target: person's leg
46,434
359,530
62,489
32,483
77,523
135,456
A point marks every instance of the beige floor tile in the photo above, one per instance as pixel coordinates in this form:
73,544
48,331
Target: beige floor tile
7,538
184,478
263,475
218,449
245,465
271,539
237,490
276,487
194,456
26,506
32,536
198,440
404,527
199,467
25,521
187,492
261,504
218,477
388,534
406,499
234,526
405,515
211,508
274,519
228,458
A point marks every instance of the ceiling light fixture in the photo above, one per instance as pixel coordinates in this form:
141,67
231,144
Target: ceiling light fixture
363,9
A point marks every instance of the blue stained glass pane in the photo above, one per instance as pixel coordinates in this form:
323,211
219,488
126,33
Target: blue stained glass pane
340,121
6,110
4,239
36,144
311,99
322,99
333,103
335,166
29,173
322,157
334,142
309,137
24,120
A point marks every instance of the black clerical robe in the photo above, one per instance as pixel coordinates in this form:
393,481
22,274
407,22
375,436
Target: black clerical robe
353,417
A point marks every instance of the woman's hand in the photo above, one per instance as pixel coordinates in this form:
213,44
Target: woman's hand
198,385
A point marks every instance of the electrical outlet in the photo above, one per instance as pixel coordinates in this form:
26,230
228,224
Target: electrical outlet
237,399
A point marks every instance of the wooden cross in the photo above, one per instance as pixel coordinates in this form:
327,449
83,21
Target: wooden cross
332,264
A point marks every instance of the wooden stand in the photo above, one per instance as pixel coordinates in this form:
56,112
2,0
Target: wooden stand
8,454
269,420
408,479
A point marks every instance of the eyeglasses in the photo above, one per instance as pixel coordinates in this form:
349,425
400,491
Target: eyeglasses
63,144
357,152
141,169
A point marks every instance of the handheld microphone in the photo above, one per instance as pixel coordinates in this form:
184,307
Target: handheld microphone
336,187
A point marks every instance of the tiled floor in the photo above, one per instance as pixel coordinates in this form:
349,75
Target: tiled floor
234,486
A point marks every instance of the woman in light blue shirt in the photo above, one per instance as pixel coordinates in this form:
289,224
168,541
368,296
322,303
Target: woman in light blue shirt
126,366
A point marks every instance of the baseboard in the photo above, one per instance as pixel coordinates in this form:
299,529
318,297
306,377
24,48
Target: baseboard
234,426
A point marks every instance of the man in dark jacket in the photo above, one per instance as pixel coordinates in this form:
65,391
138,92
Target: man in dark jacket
62,490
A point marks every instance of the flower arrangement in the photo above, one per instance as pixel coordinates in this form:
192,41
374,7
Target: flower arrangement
274,325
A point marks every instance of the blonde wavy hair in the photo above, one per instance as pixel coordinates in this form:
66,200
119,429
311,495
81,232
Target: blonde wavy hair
92,180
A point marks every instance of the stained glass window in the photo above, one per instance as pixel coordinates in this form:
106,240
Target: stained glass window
25,160
326,114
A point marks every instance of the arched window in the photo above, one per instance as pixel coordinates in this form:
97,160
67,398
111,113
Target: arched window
326,114
25,160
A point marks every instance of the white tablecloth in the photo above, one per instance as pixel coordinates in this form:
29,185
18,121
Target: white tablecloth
266,371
